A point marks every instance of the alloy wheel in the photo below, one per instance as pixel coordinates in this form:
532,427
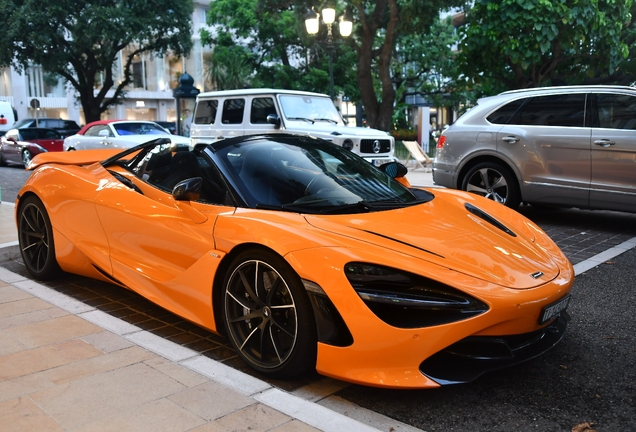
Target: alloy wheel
261,315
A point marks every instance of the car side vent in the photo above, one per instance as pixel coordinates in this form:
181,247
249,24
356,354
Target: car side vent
491,220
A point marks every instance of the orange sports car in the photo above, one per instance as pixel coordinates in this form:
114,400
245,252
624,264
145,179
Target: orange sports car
304,255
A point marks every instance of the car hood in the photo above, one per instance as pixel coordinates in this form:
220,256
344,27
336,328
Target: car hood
327,130
447,234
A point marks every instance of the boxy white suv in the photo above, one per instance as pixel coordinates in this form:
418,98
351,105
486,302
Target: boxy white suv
230,113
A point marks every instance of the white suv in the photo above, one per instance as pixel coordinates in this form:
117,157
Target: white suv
230,113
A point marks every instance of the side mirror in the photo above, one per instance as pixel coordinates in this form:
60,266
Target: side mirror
103,133
188,190
394,169
274,119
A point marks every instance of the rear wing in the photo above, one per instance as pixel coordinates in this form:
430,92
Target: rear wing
81,157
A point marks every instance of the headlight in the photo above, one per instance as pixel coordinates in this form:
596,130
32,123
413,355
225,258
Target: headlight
407,300
347,144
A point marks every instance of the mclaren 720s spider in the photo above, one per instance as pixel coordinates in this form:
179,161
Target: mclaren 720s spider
304,255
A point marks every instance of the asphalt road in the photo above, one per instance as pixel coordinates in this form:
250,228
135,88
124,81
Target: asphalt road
11,180
589,377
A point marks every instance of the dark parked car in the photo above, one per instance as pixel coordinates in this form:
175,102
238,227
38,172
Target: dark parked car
171,126
64,127
18,146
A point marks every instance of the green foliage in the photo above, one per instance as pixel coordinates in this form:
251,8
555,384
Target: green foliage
81,39
528,43
269,37
228,68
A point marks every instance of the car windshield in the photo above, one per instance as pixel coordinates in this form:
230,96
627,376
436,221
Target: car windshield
310,109
311,176
138,128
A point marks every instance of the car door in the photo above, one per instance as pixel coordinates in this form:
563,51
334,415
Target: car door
94,138
548,141
161,247
614,152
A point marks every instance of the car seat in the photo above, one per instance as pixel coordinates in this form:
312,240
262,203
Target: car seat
184,165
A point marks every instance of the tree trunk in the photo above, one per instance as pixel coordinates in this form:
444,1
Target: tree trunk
378,113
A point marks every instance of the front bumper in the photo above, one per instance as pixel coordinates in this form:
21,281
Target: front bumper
466,360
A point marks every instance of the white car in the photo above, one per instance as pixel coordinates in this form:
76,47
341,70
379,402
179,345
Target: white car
118,134
230,113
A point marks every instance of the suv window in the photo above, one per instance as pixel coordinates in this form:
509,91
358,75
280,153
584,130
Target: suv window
233,111
503,114
206,112
261,108
552,110
616,111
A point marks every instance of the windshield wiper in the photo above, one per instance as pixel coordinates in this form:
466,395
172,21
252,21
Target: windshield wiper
327,120
301,118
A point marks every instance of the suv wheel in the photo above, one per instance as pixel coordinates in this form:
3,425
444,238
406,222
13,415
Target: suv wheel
494,181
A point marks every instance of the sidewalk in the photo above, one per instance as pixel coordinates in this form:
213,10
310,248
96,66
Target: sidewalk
66,365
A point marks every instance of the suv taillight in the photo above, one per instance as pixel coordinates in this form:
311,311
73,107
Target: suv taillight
441,141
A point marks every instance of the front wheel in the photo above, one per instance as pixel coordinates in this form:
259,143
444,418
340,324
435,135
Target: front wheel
268,316
493,181
36,239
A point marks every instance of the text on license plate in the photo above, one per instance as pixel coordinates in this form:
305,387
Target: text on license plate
553,310
378,162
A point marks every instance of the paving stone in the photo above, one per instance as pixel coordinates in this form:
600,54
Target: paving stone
256,417
156,416
43,358
52,331
211,400
21,414
92,398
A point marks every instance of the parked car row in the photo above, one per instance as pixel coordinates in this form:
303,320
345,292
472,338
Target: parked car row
24,140
18,146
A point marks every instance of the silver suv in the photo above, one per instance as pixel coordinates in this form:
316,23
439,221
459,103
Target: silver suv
567,146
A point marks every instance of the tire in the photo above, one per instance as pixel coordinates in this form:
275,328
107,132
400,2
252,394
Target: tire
267,315
35,235
493,181
70,149
26,157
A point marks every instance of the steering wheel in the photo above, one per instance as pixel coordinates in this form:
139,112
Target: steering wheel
319,183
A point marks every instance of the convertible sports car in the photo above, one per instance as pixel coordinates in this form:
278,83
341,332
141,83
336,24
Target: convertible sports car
122,134
304,255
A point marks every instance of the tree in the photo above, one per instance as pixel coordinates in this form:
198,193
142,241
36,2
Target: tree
274,31
81,40
528,43
381,24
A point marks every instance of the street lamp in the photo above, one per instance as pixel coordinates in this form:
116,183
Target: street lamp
345,26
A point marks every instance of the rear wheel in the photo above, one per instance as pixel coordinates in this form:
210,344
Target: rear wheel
36,239
494,181
26,157
267,315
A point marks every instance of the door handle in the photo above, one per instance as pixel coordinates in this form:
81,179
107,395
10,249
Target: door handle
604,142
510,139
220,137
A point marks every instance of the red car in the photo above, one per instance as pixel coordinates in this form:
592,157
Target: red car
18,146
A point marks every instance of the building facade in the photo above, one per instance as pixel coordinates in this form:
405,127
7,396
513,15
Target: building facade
149,97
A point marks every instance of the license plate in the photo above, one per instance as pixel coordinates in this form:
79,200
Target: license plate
553,310
378,162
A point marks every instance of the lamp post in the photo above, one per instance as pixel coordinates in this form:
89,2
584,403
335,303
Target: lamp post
312,23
